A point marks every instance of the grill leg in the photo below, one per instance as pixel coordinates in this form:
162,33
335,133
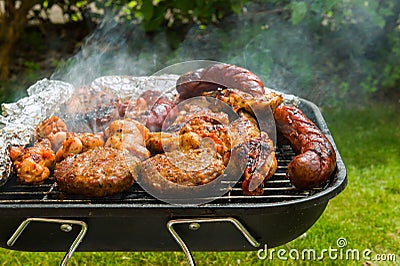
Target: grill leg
194,224
65,226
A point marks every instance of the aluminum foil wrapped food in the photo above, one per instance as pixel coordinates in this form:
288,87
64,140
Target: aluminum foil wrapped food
19,120
127,87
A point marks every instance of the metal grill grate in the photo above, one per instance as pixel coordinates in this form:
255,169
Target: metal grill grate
277,189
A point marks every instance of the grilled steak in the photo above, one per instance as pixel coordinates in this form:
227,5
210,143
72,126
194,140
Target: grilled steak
97,172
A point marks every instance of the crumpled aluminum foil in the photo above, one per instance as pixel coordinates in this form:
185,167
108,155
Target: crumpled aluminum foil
127,87
19,120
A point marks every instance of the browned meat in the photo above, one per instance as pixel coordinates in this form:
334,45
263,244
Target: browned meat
32,164
317,158
252,153
217,76
85,99
252,150
77,143
54,129
90,110
128,126
197,133
197,108
160,142
97,172
128,135
151,109
211,134
193,167
240,100
195,127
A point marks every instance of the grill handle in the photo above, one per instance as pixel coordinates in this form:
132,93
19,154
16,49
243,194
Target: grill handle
194,224
65,226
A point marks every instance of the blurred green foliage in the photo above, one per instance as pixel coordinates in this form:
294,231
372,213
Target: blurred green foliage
363,36
379,68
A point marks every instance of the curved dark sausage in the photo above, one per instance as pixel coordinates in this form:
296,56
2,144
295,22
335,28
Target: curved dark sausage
316,160
151,108
216,76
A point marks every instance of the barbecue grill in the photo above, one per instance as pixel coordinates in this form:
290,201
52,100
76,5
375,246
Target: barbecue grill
41,218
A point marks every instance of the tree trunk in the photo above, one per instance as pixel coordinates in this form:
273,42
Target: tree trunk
12,24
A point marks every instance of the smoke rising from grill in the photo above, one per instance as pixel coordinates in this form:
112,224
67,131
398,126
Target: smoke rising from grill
321,67
113,49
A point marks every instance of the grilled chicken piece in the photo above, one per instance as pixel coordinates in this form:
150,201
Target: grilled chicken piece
128,135
212,134
197,134
54,129
32,164
193,167
98,172
199,107
240,100
76,143
160,142
127,126
195,127
252,149
216,76
252,153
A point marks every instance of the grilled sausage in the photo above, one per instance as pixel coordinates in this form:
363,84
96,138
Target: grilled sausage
316,160
216,76
150,109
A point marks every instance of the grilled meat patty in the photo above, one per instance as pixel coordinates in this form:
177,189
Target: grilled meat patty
98,172
188,168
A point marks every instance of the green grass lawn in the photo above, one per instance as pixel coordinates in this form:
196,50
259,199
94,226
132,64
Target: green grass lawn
366,213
